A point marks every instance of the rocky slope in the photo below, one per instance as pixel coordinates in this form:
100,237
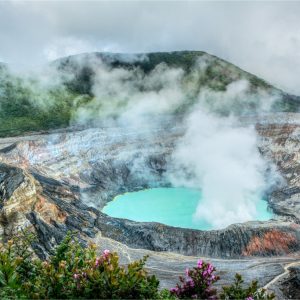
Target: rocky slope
60,181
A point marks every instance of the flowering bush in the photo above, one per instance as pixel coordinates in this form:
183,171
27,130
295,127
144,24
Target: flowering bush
75,272
197,283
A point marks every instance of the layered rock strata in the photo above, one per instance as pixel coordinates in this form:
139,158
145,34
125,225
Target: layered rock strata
58,182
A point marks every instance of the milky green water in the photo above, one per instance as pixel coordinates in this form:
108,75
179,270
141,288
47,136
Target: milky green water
170,206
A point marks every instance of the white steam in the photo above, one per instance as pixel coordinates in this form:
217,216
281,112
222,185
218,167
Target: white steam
217,154
130,97
222,159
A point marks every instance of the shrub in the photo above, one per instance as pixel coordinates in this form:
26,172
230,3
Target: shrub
15,266
76,272
237,292
197,283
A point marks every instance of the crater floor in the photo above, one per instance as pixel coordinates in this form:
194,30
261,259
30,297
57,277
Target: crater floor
60,181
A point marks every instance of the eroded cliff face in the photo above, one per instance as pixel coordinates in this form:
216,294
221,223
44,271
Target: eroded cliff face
58,182
18,194
281,142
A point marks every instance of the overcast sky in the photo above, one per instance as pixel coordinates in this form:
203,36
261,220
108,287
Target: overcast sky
261,37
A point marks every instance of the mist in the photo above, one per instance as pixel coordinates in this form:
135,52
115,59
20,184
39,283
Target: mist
131,98
221,158
217,154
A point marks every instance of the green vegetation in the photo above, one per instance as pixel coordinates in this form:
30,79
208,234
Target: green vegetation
238,291
28,104
72,272
216,76
75,272
178,59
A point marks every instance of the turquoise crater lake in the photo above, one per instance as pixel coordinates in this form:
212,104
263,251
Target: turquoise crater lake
170,206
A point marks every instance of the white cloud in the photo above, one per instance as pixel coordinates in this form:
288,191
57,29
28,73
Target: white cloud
262,37
67,46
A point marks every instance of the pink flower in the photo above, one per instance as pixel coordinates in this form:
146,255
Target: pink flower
209,269
76,276
190,282
174,290
97,262
249,298
187,270
106,252
199,263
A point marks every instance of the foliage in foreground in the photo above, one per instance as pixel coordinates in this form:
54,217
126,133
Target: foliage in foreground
197,283
236,291
75,272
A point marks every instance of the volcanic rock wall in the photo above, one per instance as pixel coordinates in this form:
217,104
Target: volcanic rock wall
54,183
76,173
